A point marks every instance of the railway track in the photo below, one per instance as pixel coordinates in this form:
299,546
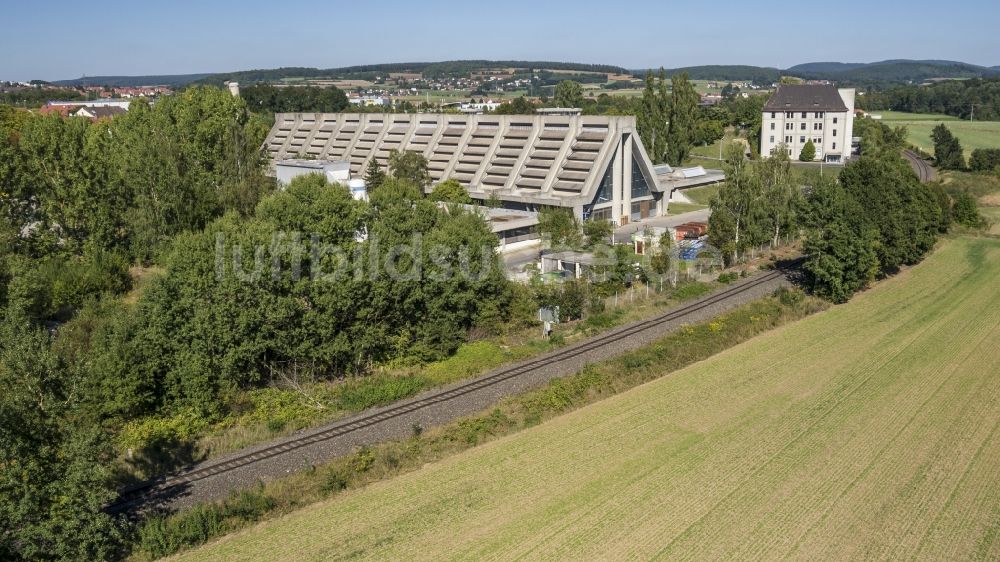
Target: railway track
924,170
160,488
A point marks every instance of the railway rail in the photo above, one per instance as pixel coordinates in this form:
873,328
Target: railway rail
924,170
144,494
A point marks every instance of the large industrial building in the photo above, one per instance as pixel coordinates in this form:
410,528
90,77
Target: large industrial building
594,165
799,113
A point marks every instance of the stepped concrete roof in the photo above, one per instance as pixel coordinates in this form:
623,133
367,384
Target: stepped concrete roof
537,159
806,97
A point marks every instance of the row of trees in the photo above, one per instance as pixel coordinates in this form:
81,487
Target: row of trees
757,205
264,98
670,122
976,98
871,220
36,97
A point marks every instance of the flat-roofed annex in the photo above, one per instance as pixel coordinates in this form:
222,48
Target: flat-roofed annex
535,159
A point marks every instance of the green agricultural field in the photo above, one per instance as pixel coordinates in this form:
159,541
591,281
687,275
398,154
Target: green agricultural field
973,134
868,431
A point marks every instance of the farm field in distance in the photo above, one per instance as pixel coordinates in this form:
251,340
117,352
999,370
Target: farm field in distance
866,431
972,134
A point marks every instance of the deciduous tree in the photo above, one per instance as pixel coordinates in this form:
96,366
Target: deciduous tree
569,94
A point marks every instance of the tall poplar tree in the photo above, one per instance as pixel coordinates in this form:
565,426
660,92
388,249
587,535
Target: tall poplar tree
682,117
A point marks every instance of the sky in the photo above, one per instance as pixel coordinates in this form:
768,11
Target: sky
57,39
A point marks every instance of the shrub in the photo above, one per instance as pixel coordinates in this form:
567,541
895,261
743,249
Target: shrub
789,297
965,210
471,358
336,479
161,535
691,290
728,277
984,159
152,431
603,320
376,390
808,153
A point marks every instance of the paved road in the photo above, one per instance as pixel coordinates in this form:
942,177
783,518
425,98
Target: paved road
218,477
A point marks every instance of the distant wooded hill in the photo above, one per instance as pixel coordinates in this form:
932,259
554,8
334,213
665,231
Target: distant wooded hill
173,80
357,72
897,71
859,74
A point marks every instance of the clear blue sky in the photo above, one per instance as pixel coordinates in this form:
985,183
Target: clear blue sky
55,39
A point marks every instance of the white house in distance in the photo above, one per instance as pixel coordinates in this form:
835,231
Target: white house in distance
796,114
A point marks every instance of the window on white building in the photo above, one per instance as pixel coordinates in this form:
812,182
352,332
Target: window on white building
834,120
803,127
772,139
772,126
789,126
773,115
835,132
802,140
835,146
803,114
788,140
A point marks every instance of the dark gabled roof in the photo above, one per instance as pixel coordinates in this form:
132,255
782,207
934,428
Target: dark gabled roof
811,97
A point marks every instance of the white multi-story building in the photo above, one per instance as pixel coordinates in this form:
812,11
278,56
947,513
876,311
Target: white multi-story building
796,114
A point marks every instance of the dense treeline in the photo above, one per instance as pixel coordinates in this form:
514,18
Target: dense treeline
238,287
870,221
266,99
464,67
977,98
172,80
293,291
128,185
36,97
80,202
761,76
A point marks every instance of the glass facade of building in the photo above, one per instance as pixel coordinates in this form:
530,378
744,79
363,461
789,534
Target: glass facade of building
640,187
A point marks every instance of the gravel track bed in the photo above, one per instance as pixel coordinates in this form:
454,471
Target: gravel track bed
173,492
